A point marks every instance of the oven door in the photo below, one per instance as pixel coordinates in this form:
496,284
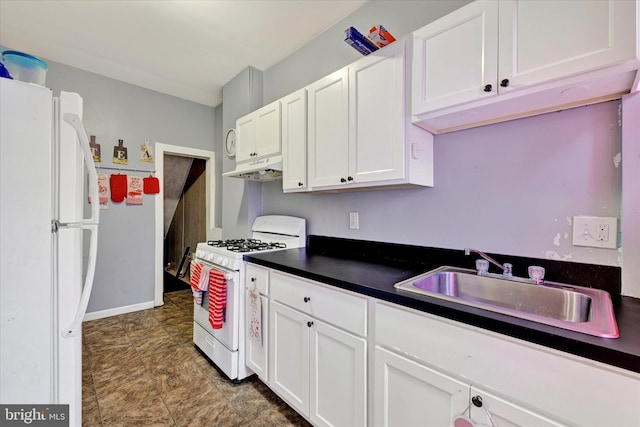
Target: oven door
229,333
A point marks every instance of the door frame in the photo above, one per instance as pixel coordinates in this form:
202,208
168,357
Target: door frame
176,150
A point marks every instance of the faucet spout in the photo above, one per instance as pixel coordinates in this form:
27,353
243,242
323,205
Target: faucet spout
506,267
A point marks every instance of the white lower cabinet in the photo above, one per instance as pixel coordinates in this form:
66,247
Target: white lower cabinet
408,394
316,366
519,383
256,350
289,356
318,369
338,377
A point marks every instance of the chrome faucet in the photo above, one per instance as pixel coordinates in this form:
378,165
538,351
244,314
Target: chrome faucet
536,273
483,267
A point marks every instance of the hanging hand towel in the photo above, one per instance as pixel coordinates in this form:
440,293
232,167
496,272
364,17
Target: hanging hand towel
255,317
217,298
118,185
103,189
134,190
199,280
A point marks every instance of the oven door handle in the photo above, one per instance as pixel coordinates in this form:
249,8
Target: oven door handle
228,274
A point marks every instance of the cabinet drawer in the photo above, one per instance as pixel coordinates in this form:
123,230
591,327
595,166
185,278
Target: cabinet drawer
334,306
557,383
257,278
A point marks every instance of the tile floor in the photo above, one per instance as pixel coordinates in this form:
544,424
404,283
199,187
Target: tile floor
141,369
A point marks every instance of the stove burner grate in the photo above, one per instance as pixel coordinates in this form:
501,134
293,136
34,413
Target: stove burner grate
245,245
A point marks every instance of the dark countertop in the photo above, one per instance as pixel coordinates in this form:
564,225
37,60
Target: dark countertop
376,279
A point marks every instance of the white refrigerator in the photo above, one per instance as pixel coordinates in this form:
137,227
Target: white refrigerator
44,162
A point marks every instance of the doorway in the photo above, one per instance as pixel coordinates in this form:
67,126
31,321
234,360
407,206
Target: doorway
205,160
184,217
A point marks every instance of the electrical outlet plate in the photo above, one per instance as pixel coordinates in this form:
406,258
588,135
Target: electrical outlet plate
595,232
354,221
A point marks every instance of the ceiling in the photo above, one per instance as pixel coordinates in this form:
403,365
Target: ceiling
188,49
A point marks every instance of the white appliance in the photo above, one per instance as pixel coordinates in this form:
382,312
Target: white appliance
42,296
226,347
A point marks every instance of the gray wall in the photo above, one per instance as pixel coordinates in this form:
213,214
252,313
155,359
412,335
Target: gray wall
115,110
241,200
508,188
328,52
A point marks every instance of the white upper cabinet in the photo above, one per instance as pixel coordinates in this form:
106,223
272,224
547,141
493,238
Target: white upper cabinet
492,61
360,132
544,40
377,116
455,58
258,133
294,141
328,159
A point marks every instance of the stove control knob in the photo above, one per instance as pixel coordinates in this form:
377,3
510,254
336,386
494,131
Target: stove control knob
225,262
219,260
209,257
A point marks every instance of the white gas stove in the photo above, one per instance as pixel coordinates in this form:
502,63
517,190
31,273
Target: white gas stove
270,233
225,346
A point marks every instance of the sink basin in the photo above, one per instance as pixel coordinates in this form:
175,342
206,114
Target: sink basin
575,308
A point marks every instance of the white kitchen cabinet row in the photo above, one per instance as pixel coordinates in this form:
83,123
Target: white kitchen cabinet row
492,60
344,359
486,62
349,130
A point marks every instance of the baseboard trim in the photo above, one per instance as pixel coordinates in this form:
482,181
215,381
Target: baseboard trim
94,315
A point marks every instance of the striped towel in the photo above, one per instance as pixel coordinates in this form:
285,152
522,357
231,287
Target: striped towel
217,298
199,280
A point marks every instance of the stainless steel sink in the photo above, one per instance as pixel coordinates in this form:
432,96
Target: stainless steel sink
575,308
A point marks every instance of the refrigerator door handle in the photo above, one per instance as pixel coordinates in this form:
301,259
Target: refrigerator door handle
90,224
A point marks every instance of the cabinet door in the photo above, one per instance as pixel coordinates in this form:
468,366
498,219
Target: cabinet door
245,138
294,141
498,412
377,115
543,40
268,139
289,356
456,57
338,372
257,353
329,130
407,393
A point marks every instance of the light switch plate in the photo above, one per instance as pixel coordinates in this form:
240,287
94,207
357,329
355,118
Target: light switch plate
595,232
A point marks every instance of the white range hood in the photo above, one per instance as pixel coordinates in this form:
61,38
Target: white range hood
269,169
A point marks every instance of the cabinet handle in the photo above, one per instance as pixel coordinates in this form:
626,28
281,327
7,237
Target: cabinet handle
306,299
309,324
300,184
504,83
488,88
253,279
343,180
349,178
477,401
